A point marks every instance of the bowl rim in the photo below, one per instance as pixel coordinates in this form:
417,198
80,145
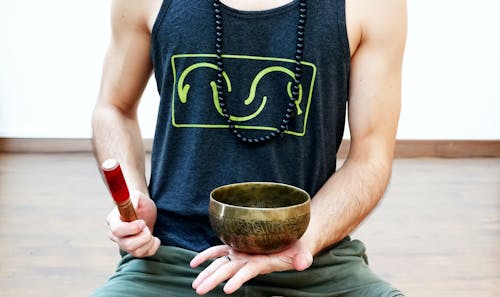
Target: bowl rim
307,201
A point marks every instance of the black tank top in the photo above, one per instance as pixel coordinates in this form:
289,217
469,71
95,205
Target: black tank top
193,149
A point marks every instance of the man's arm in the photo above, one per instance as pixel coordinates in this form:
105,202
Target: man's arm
116,132
125,74
374,105
377,33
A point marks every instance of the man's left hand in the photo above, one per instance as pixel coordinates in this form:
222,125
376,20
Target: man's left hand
237,268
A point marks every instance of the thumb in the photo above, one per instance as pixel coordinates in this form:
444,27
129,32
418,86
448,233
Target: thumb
145,208
137,198
302,260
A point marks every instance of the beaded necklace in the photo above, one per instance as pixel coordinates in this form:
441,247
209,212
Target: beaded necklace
289,113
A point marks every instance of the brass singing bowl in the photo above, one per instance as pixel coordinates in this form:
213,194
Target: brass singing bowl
259,217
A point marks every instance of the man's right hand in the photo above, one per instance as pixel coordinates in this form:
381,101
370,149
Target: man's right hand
135,237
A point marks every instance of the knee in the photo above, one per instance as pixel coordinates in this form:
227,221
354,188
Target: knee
381,289
392,292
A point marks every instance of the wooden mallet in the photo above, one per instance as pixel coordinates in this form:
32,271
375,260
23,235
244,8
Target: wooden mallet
118,188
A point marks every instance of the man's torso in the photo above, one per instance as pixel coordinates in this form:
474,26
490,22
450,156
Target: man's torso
194,150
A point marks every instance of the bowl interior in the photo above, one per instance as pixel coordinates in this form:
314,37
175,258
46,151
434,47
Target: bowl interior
260,195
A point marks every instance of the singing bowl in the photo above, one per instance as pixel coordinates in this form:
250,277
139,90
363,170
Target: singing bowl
259,217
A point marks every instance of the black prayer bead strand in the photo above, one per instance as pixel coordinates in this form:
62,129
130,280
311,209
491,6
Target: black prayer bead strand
289,113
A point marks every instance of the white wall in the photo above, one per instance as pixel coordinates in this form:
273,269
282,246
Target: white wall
451,85
51,54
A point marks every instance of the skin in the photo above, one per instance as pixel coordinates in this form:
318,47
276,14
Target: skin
377,35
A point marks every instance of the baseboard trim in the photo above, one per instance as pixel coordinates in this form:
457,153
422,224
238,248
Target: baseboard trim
52,145
404,148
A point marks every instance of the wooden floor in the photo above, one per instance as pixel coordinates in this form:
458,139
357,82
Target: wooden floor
436,233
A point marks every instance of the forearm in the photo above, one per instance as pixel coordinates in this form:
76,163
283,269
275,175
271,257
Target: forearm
374,104
345,200
117,135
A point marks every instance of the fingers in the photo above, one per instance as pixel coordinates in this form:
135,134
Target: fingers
123,229
244,274
210,253
140,245
134,237
237,271
218,263
222,271
154,248
264,265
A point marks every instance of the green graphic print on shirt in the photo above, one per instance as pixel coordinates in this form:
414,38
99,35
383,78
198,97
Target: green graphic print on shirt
248,99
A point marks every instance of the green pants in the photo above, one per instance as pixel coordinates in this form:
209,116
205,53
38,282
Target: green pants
339,271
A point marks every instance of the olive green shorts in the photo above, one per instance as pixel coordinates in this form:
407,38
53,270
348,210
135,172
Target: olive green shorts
339,271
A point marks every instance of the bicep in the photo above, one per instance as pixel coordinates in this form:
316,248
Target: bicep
375,83
127,66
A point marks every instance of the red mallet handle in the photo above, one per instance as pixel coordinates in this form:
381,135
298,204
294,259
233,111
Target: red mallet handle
118,188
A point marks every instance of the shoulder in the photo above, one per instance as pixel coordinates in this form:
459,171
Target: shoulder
133,15
376,21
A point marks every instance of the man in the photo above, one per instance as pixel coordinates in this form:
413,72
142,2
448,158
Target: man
225,72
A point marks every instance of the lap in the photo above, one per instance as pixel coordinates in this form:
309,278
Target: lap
340,271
